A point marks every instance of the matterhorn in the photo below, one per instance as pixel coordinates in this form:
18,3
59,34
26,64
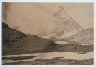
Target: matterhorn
66,25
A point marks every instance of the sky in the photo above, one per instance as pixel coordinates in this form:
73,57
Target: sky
37,17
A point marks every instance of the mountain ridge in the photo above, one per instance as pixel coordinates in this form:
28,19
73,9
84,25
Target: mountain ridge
84,36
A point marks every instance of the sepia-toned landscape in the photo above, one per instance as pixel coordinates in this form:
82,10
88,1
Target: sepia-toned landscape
47,33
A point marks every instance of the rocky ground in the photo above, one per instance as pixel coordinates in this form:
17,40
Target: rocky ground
54,61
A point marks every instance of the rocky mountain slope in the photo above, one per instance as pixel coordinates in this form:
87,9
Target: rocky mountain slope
66,25
85,36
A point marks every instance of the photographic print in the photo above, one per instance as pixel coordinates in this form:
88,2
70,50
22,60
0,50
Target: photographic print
47,33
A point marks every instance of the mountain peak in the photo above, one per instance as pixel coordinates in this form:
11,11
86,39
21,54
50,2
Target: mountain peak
66,24
61,8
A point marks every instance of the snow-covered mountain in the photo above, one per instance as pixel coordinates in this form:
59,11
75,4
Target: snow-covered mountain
66,25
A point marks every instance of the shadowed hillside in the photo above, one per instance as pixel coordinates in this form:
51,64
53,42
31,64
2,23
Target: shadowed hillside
15,42
10,35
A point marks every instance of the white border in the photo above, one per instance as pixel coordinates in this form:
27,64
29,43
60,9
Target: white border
47,1
94,1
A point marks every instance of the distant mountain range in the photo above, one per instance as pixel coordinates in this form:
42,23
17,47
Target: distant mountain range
70,30
84,36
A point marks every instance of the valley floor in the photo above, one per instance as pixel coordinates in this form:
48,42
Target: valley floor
67,54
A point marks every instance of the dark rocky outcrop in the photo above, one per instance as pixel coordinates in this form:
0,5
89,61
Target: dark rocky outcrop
10,35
